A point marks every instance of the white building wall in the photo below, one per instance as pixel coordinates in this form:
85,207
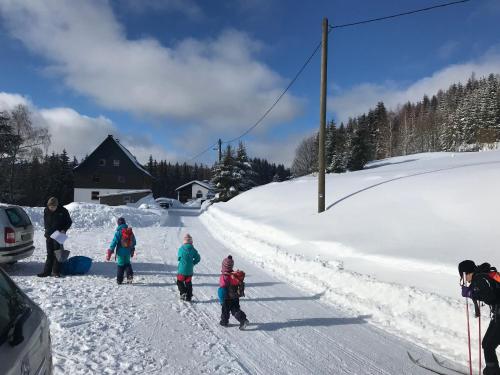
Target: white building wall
85,195
194,189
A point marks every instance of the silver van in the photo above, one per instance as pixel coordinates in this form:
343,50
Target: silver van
25,347
16,237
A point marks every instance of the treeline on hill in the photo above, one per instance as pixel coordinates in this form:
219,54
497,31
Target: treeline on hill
28,176
236,173
462,118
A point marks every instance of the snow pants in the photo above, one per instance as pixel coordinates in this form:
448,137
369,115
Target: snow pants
491,340
125,269
185,285
232,306
52,266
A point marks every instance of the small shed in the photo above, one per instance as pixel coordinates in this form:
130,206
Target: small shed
123,197
194,190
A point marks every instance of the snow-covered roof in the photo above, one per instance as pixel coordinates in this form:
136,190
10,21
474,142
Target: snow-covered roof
125,192
203,184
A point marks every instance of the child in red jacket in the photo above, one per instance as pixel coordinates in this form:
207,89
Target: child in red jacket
229,294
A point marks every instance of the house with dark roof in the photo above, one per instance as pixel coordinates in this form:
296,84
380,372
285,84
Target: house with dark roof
194,190
109,169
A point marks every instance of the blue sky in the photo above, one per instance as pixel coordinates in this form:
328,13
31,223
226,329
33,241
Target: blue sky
170,77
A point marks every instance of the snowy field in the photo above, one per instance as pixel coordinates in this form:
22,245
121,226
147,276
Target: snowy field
348,291
100,328
388,244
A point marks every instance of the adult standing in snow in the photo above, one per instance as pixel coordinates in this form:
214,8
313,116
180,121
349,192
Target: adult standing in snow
55,218
484,288
188,257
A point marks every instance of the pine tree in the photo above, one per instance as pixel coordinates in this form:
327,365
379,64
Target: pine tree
226,177
244,169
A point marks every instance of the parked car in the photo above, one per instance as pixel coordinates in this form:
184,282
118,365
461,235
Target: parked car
25,347
16,239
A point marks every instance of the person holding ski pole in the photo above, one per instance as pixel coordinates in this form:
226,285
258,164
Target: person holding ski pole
484,287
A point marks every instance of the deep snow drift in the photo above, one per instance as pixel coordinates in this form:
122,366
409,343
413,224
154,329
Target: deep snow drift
388,244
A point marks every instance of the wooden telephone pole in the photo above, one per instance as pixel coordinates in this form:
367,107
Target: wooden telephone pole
322,118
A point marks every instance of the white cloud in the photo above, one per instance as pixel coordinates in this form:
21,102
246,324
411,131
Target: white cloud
9,101
80,134
217,82
279,151
362,97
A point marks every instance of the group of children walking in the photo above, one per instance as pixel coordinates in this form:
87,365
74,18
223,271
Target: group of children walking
231,283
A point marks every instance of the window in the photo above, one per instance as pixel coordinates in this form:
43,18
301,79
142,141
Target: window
95,196
17,217
102,162
96,178
11,305
116,163
199,194
121,179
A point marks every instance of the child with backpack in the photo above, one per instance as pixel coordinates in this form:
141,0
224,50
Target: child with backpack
231,288
485,287
188,257
124,243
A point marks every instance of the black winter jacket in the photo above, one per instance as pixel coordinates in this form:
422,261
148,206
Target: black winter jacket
57,220
486,290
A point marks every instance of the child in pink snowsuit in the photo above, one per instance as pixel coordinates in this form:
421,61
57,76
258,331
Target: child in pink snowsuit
229,298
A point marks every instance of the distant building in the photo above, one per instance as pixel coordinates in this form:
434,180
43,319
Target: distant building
194,190
109,169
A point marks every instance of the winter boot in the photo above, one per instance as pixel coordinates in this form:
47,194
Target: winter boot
223,323
244,324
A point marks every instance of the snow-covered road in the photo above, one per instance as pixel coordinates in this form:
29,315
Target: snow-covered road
101,328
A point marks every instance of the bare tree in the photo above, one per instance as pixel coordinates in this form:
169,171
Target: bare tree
306,157
30,140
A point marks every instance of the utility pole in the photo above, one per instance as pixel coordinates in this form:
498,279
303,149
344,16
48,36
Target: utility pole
322,118
220,149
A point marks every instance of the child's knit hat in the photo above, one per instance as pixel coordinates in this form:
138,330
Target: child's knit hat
121,221
188,239
227,264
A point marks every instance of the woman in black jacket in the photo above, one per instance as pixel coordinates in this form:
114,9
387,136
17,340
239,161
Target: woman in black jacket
55,217
485,289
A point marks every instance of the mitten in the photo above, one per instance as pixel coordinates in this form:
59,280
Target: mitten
466,291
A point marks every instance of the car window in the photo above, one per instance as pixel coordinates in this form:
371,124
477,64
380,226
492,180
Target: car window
17,217
10,305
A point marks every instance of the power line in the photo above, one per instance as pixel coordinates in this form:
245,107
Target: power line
310,58
279,97
269,109
201,153
398,14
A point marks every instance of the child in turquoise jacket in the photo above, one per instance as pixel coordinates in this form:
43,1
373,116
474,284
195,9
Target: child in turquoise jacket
188,257
124,243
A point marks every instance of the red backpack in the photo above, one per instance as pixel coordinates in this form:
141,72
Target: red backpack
240,288
127,238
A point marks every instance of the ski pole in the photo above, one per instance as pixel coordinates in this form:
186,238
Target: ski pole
479,317
468,328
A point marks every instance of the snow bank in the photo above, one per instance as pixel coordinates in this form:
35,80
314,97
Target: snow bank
90,215
387,246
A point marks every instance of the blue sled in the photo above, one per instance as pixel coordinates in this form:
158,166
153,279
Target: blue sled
77,265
